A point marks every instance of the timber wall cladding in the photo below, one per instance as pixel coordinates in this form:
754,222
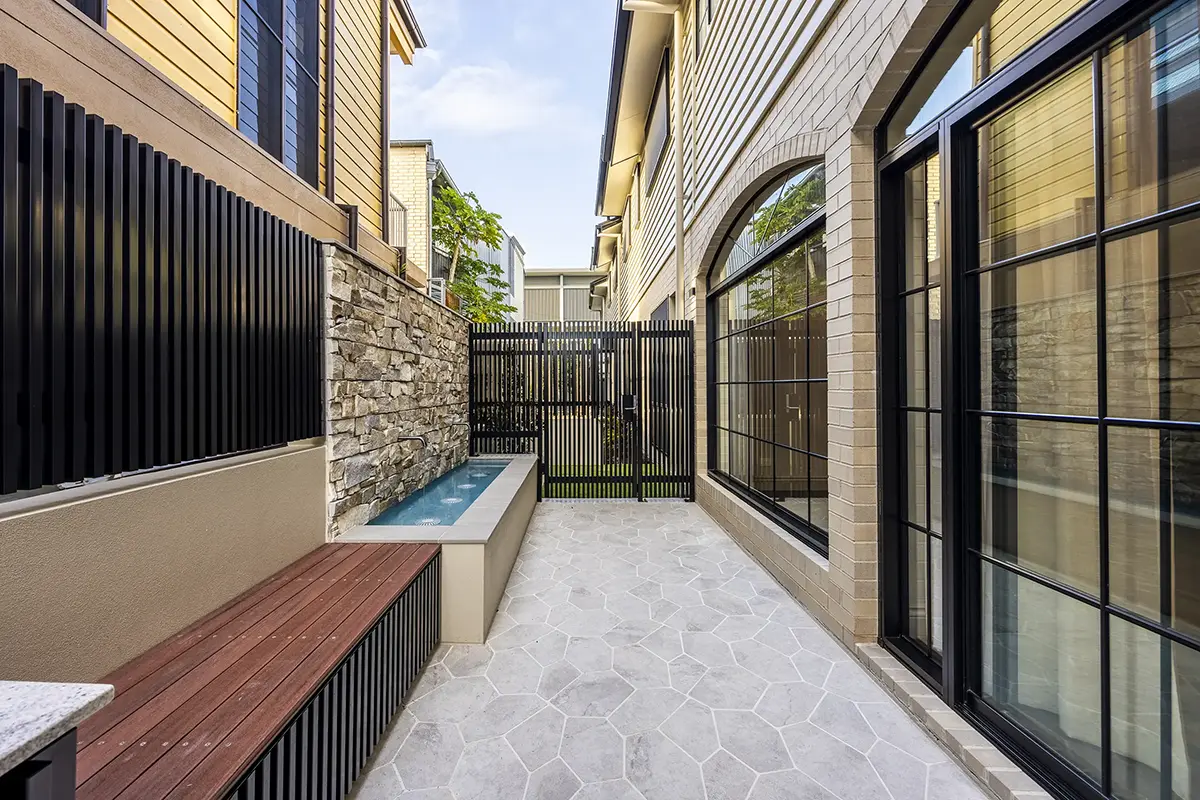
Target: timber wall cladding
358,115
148,316
192,42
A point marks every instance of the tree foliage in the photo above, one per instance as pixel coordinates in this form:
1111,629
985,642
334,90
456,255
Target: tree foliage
785,285
461,226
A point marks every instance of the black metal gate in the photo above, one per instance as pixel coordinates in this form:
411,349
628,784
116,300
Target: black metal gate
607,407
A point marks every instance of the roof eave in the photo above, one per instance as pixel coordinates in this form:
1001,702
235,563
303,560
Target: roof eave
410,19
617,69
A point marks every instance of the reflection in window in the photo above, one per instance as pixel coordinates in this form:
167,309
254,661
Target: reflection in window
1041,665
771,435
1038,336
1089,388
1153,96
1037,167
989,34
1153,311
788,204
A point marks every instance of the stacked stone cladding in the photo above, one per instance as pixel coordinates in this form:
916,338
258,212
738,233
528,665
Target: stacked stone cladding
396,366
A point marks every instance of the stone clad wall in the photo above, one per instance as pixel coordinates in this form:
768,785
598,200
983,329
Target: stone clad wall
396,365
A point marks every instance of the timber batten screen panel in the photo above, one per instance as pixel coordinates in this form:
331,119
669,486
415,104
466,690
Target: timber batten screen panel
149,316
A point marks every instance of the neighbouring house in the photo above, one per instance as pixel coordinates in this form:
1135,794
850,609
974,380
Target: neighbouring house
415,176
558,295
510,257
940,258
243,353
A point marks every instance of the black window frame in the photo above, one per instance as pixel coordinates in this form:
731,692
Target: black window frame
95,10
662,88
1078,41
798,235
289,48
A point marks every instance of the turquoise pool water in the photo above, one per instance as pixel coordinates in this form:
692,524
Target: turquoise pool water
445,499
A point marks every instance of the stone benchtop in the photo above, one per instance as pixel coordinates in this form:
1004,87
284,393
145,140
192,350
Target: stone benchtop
34,715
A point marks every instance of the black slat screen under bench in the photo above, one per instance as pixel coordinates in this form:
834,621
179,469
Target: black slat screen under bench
148,316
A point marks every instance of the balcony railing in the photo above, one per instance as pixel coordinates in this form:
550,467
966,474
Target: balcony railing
397,223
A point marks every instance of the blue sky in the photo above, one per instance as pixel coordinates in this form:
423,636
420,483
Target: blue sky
512,93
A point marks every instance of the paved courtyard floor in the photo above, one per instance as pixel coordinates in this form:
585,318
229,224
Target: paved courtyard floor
639,653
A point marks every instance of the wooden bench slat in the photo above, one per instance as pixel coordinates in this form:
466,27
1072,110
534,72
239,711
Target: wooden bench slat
366,599
166,663
133,671
217,684
142,711
268,718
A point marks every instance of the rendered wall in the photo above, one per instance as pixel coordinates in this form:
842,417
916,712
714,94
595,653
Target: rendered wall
91,577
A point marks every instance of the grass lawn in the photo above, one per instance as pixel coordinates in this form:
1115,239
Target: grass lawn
563,487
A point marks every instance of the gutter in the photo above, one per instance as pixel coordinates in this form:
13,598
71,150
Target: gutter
410,19
601,230
620,53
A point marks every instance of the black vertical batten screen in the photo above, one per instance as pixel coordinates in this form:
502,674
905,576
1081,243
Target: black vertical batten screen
12,374
147,316
322,750
607,407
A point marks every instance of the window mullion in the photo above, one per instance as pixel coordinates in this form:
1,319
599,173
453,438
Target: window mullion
284,40
1102,426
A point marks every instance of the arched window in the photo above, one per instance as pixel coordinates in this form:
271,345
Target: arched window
768,439
783,206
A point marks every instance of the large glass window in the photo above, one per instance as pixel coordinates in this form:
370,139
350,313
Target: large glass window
1070,311
769,356
988,35
1089,412
278,97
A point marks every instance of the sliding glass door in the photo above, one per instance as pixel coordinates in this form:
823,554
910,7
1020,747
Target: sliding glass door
1040,394
1086,418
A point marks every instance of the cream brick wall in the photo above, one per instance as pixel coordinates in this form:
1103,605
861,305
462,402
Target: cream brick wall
408,179
843,75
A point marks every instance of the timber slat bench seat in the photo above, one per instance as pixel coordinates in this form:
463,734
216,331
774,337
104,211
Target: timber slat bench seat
283,692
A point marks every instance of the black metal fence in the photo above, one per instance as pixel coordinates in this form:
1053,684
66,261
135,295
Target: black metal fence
607,407
148,316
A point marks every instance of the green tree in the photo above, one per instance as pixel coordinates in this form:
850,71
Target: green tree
799,200
785,285
461,225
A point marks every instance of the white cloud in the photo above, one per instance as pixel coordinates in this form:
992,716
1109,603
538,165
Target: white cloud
484,101
437,18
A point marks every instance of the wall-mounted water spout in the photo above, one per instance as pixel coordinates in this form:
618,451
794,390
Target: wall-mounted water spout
420,439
